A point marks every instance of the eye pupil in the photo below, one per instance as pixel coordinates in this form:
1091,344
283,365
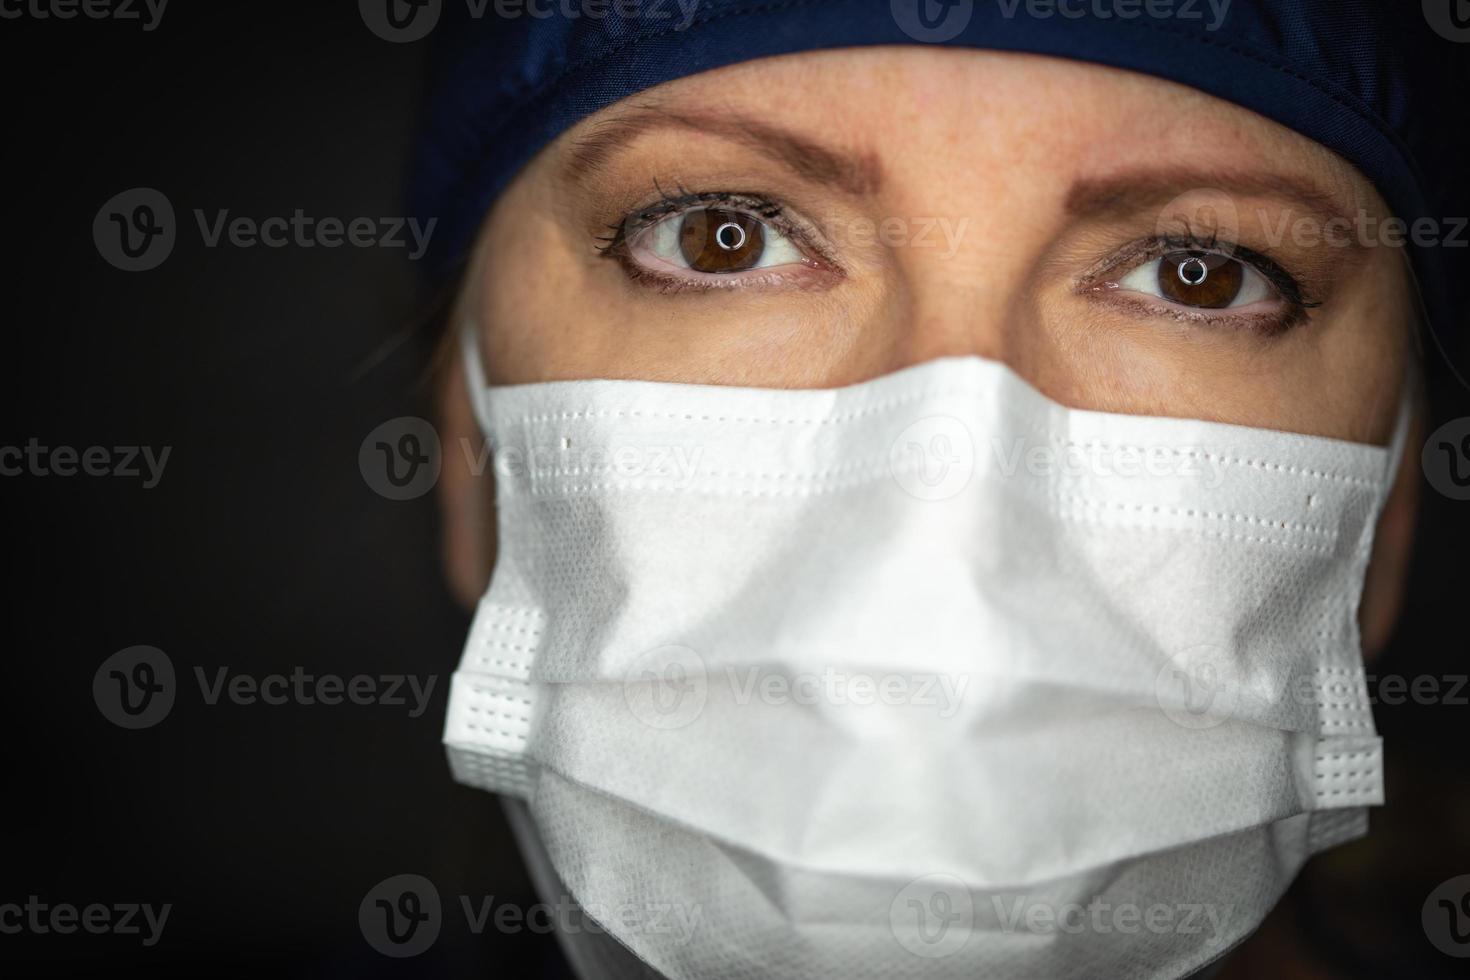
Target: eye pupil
1193,271
730,236
1200,279
720,240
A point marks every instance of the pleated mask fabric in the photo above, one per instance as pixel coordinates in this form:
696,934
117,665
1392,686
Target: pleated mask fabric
928,676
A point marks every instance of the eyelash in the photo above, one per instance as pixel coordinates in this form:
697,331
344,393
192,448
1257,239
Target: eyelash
669,205
1098,280
818,266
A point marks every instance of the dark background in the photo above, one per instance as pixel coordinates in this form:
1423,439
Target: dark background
264,549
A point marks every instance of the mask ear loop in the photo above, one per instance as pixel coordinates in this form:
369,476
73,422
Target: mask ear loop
474,374
1396,445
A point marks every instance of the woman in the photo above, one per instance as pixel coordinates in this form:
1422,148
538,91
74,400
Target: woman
965,562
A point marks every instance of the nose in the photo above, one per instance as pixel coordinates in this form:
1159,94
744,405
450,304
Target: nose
968,300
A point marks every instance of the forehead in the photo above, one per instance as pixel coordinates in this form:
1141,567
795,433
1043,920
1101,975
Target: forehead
912,109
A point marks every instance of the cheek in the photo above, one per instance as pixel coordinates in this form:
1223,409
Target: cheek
1364,362
533,294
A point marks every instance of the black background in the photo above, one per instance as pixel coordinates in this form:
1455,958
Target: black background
263,549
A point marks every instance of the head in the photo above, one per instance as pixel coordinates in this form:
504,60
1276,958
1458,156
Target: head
1126,244
1144,225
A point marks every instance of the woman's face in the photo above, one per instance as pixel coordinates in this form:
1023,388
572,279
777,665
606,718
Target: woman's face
1123,243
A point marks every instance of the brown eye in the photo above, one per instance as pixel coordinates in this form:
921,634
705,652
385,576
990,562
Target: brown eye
710,244
1200,279
717,240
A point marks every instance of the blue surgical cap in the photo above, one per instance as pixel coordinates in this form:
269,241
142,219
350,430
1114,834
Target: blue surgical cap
1380,82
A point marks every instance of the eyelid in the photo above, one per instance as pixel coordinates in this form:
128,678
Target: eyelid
820,266
1099,281
665,206
1136,253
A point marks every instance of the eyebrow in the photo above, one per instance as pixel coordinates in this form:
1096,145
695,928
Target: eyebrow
1122,195
859,174
1128,194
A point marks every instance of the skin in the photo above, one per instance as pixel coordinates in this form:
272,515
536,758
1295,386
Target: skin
1040,171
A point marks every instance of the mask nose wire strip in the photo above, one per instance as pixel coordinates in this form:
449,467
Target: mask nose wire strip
474,370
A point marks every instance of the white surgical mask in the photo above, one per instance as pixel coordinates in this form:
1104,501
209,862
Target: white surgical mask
929,676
